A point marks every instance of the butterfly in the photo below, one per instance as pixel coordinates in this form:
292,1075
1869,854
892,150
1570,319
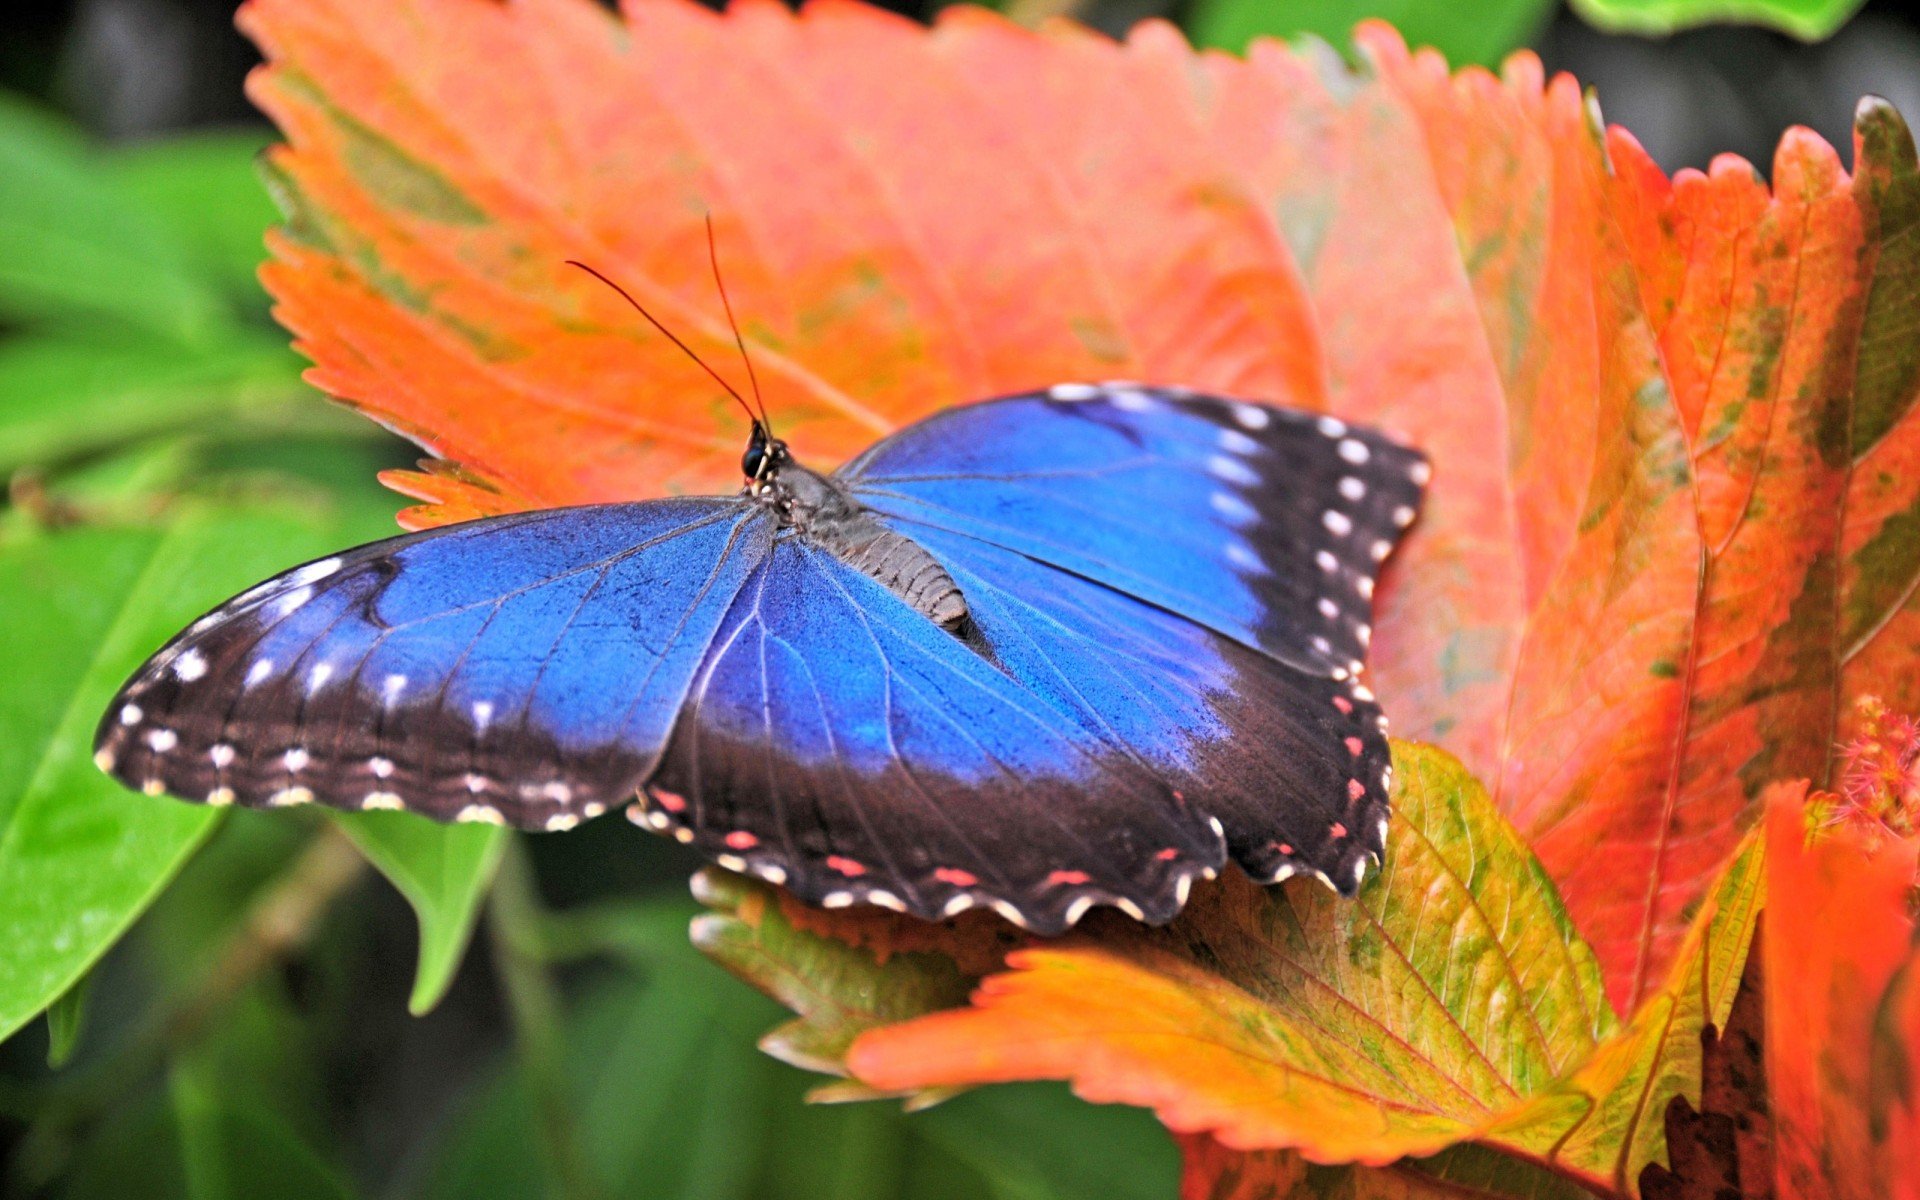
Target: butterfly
1068,648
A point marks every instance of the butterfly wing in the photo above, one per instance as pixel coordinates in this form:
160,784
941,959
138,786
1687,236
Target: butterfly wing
1266,525
840,743
1191,575
523,669
1148,668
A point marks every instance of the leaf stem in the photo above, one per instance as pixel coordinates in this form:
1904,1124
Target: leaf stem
515,921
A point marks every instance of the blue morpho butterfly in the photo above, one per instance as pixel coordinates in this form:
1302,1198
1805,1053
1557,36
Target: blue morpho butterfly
1056,650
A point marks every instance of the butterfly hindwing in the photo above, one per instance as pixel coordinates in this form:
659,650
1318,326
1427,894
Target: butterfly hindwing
1293,764
522,669
839,742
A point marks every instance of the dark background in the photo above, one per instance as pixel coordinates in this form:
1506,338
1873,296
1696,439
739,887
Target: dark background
130,68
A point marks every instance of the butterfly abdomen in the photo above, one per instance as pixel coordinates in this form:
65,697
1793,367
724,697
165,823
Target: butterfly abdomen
827,516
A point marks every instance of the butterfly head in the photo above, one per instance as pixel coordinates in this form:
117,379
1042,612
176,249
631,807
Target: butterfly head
764,457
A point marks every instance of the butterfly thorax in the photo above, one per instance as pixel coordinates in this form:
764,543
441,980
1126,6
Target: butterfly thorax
815,507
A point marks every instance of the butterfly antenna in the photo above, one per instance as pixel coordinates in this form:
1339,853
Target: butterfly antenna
713,256
684,348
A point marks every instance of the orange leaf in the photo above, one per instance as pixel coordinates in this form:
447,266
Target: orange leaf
1398,1023
1843,1005
1618,608
1450,1002
1880,577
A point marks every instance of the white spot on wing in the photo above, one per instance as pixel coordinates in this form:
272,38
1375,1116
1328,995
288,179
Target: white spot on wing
480,814
313,572
1131,400
1232,470
296,759
259,671
287,602
1403,516
560,822
1333,427
317,678
1235,442
1232,507
1073,391
1130,908
381,800
1077,909
482,713
381,767
290,797
1420,472
1325,560
1252,416
956,905
1328,608
1240,556
391,689
190,666
836,900
130,714
220,797
221,754
1337,523
1352,488
1354,450
162,740
732,862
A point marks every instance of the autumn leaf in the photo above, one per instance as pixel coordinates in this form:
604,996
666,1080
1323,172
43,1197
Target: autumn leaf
1354,1030
1675,520
1843,1008
839,990
1668,365
1450,1002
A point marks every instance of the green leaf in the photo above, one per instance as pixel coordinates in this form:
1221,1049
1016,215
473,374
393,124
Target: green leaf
80,857
205,189
65,1019
63,396
668,1098
1465,33
74,243
235,1153
1809,20
1606,1121
840,991
443,871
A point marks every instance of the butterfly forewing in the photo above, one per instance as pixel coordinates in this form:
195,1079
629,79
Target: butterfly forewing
1265,524
523,669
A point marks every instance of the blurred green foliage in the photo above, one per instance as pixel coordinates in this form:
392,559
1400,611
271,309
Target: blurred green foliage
225,998
1488,31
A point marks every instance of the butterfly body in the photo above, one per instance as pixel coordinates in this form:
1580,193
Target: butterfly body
1062,649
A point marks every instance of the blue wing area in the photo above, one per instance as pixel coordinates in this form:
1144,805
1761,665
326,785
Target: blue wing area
523,669
1260,523
841,743
1294,765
